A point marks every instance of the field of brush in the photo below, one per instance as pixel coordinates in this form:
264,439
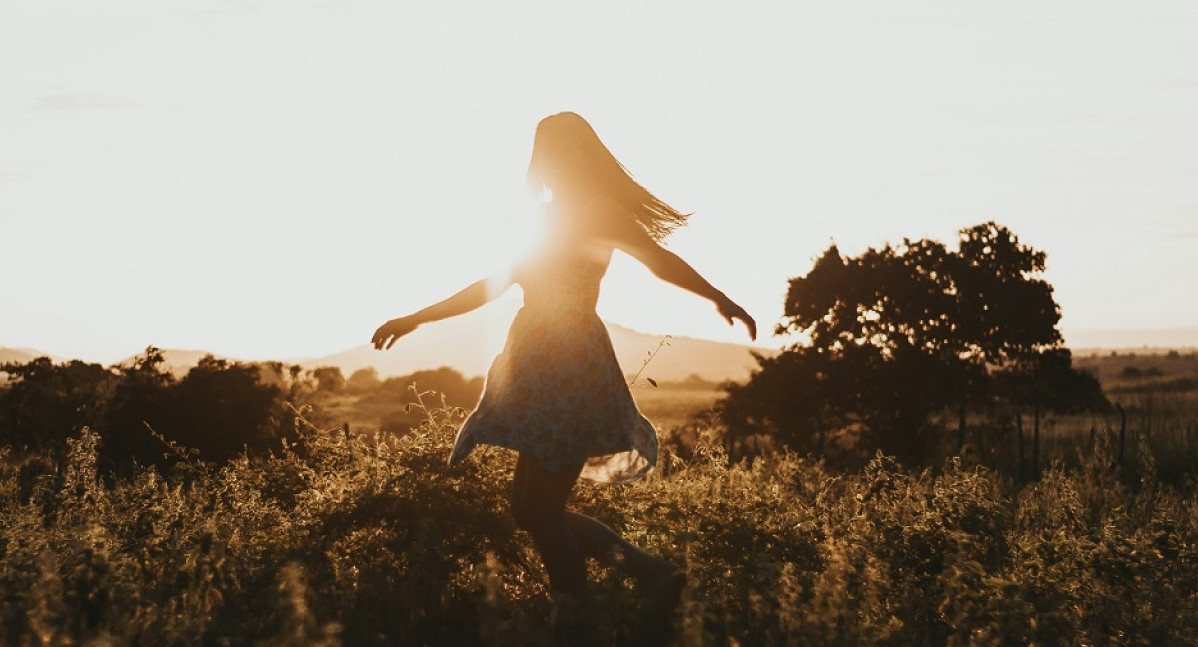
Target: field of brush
370,540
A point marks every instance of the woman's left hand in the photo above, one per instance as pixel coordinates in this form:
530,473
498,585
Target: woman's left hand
390,332
729,310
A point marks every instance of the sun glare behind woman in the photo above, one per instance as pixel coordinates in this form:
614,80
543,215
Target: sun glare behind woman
504,245
524,233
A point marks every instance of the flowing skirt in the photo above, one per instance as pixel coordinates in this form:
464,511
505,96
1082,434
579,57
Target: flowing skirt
556,392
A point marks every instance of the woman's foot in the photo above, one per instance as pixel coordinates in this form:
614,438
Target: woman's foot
664,591
572,620
660,597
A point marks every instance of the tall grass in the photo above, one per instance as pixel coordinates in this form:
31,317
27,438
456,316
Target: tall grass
1154,426
371,540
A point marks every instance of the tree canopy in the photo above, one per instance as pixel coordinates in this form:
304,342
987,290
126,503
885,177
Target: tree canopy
902,331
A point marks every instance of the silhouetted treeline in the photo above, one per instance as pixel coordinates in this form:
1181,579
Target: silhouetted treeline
144,414
908,341
218,408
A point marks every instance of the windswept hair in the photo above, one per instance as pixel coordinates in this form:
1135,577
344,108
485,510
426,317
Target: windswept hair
568,157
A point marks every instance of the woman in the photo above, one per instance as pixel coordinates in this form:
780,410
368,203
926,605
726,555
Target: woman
556,394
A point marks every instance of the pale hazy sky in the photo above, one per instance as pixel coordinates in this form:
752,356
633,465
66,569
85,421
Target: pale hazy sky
275,178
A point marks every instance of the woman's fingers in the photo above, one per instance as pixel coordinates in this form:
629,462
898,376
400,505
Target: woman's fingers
747,321
732,311
751,325
381,336
390,332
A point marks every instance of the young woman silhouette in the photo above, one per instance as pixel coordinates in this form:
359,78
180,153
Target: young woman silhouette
556,394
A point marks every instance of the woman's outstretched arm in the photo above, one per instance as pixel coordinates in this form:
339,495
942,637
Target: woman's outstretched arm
628,236
473,296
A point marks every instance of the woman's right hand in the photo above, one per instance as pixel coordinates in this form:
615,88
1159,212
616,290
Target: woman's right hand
390,332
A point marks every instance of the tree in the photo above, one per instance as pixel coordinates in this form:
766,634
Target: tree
329,379
364,380
784,400
441,385
141,397
222,407
43,402
899,333
218,408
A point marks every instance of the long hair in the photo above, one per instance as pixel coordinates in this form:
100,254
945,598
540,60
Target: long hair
569,158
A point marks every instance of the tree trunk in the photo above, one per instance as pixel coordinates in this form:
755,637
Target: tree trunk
961,428
1036,443
1122,431
1019,445
823,434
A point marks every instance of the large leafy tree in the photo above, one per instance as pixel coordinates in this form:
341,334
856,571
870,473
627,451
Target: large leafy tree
903,331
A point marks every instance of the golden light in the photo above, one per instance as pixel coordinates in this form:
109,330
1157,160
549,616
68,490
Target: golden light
521,236
507,243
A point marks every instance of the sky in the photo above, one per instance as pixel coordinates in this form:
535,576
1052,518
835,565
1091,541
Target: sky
276,178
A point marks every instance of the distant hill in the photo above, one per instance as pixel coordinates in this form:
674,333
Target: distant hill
1162,338
469,343
684,357
20,355
176,361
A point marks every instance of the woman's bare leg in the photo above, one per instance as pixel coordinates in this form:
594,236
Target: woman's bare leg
597,540
539,507
564,537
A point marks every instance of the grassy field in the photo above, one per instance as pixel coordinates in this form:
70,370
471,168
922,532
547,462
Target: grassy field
672,404
359,540
668,405
1122,369
1160,418
368,539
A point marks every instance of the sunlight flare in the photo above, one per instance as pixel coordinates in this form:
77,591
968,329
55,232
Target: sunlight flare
523,234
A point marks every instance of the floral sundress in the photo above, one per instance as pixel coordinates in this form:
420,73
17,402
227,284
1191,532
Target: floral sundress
556,391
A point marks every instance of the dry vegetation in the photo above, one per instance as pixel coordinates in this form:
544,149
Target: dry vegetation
1120,371
354,540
